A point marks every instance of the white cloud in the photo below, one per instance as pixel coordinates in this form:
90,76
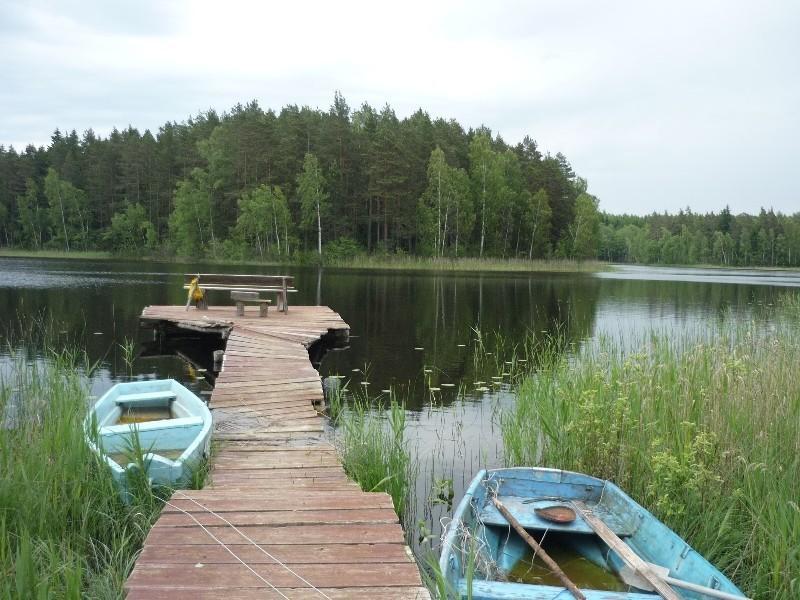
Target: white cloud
659,105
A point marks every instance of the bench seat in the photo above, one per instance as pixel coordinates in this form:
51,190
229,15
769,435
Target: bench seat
281,285
250,297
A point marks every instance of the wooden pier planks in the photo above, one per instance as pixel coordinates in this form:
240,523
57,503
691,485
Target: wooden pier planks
276,482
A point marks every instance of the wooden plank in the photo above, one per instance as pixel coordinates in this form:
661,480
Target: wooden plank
260,503
211,576
292,534
281,517
287,499
233,593
293,554
268,484
276,438
243,460
279,474
624,551
268,382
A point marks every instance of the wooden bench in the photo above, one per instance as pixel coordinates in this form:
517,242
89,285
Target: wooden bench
281,285
251,297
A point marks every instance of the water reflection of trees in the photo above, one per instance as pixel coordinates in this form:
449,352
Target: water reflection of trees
390,312
398,312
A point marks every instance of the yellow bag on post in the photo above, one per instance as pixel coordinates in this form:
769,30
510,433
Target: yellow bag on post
196,294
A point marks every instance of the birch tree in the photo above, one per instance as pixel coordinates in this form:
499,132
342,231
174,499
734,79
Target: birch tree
68,213
191,224
264,220
585,228
483,173
313,197
538,217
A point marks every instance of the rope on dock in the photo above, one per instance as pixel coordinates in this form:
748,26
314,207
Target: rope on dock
241,533
232,553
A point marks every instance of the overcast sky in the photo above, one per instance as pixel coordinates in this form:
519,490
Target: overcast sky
659,105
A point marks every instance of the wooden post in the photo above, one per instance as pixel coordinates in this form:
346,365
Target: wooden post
219,355
285,296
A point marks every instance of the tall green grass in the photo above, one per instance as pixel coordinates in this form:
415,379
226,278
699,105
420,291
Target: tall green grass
64,531
701,428
422,263
373,448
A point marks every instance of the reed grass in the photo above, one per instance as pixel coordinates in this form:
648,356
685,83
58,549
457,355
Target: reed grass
64,531
75,254
360,261
702,428
420,263
373,448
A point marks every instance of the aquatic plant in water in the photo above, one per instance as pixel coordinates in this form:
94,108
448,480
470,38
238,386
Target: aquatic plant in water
373,448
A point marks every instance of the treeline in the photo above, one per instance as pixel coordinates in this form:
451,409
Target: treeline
253,183
256,183
767,240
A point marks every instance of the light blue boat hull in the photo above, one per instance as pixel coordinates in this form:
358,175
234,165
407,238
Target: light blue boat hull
188,431
522,490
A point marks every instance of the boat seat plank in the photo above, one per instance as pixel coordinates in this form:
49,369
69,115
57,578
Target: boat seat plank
523,510
126,428
145,397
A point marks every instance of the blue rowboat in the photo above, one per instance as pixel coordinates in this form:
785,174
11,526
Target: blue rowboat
558,509
157,425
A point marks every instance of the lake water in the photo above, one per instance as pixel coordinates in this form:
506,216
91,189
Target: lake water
410,331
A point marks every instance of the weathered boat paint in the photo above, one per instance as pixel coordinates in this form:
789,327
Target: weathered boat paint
522,490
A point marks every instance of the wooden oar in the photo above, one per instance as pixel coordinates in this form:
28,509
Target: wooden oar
631,577
552,565
628,556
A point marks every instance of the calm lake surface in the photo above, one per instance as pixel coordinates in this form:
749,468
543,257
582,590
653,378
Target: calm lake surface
411,331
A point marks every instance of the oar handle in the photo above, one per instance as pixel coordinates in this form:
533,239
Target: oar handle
701,589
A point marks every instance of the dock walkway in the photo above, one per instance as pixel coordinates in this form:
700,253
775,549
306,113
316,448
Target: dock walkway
277,488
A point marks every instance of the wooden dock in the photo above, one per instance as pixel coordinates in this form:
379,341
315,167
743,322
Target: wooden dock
279,517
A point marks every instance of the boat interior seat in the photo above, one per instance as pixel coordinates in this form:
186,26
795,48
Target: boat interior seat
179,423
159,397
523,509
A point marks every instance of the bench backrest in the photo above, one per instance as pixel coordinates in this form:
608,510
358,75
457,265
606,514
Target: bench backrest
241,280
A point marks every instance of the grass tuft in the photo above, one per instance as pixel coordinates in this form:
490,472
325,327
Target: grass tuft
373,449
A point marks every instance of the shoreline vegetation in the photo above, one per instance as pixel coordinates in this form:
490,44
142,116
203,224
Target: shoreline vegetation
398,262
375,261
64,530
